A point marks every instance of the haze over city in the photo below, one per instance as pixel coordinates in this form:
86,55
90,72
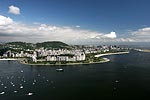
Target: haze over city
75,21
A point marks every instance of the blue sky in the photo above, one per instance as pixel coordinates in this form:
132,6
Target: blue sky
65,19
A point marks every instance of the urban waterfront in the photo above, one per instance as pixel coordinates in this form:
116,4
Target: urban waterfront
126,76
74,49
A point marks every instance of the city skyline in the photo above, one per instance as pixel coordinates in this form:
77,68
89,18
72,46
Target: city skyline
75,22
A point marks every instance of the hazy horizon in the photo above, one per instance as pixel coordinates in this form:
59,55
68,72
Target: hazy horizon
137,44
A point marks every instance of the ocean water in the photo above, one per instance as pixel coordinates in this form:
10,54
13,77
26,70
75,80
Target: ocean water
125,77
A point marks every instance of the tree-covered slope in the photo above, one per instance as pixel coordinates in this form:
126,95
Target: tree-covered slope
52,44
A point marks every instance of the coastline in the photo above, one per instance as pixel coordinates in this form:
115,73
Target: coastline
143,50
22,62
107,54
105,60
8,59
99,55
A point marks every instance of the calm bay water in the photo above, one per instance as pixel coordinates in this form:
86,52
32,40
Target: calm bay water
126,77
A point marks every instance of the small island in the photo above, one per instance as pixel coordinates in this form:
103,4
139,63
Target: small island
57,53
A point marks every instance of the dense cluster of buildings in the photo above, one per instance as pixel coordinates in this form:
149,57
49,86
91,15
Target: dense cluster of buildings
58,54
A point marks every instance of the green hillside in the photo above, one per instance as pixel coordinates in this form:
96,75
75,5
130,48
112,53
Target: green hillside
22,45
52,44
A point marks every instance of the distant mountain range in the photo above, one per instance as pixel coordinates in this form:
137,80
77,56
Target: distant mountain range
52,44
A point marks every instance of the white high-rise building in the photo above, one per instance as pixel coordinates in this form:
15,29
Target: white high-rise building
34,58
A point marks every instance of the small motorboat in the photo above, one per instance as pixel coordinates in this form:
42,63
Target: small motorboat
29,94
2,93
21,71
116,81
15,91
21,87
60,70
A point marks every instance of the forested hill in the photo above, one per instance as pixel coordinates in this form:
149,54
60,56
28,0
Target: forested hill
22,45
52,44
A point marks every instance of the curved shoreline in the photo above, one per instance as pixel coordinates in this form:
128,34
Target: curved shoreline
22,62
107,54
99,55
105,60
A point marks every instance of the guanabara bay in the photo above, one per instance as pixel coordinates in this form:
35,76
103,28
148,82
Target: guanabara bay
74,49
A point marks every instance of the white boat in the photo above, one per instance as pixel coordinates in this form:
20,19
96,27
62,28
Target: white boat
60,69
15,91
2,93
116,81
29,94
21,87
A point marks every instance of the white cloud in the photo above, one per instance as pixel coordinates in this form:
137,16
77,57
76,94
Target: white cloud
143,31
141,35
11,30
124,40
44,32
5,20
111,35
14,10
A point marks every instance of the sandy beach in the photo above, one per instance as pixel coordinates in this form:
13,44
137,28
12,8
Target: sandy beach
106,54
8,59
146,50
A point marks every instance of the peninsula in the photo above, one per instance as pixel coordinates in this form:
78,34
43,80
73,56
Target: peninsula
57,53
